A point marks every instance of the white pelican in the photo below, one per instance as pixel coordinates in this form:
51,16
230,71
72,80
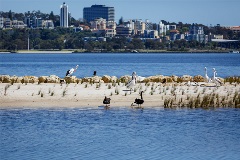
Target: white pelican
191,83
132,82
70,72
215,79
207,79
139,78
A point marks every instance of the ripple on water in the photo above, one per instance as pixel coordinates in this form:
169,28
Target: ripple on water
119,133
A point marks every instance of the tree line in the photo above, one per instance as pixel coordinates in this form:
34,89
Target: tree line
66,38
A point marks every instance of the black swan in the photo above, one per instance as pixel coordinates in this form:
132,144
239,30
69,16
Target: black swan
139,101
107,102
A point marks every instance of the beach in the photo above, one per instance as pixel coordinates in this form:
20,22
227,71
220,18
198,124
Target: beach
155,94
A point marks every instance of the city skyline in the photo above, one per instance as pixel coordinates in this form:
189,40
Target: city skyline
207,12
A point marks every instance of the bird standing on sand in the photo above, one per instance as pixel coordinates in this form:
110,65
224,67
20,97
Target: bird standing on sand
215,79
106,101
207,79
139,101
70,72
132,82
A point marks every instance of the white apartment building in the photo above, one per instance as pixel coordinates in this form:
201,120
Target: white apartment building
48,24
162,28
98,23
64,15
150,34
139,27
18,24
110,32
123,30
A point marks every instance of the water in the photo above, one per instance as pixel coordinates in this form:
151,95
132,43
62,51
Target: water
119,133
115,64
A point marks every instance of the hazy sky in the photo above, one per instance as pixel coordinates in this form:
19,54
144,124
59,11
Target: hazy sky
223,12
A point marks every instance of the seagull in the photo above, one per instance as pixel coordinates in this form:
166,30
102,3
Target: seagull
70,72
107,102
139,101
132,82
215,79
207,79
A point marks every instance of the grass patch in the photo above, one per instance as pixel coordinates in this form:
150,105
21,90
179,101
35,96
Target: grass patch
64,92
6,88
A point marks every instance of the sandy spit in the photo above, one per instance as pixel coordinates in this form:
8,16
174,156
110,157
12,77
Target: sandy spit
47,95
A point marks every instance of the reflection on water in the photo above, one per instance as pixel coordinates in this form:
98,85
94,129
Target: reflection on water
119,133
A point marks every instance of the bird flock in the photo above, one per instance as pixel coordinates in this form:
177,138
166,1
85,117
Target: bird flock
130,85
139,101
214,79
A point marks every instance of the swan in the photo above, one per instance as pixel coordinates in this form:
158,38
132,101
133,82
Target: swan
106,101
70,71
139,101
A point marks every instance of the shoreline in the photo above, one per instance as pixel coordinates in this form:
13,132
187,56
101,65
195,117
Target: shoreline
139,52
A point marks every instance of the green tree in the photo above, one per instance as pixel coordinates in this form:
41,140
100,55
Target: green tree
10,15
120,21
137,43
52,17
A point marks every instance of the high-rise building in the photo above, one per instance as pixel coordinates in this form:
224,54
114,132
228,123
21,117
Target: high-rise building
1,22
148,25
64,15
98,11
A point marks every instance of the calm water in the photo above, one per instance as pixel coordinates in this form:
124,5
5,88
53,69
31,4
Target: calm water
119,134
120,64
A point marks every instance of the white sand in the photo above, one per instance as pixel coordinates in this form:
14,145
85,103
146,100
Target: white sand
87,95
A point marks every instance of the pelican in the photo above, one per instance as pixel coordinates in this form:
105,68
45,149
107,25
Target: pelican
207,79
107,102
215,79
191,83
132,82
139,101
70,71
139,78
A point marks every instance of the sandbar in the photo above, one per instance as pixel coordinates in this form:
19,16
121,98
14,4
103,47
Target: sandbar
73,95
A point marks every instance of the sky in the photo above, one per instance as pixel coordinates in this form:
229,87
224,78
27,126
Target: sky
207,12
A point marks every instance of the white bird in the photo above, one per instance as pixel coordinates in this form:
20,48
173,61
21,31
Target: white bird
70,72
191,83
207,79
139,78
215,79
132,82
